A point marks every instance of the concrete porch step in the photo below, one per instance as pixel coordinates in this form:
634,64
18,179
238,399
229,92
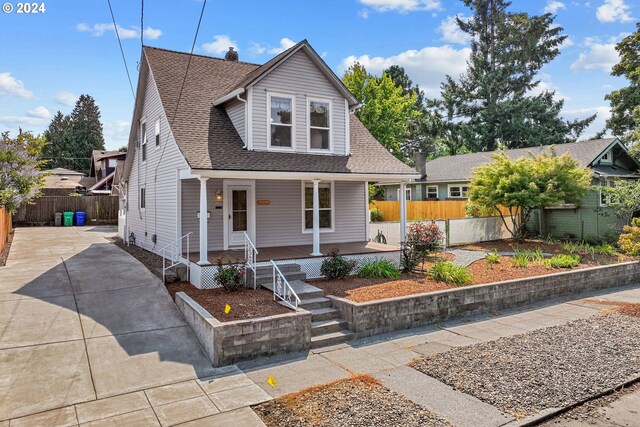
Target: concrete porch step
310,304
268,278
285,268
319,314
327,326
332,338
304,290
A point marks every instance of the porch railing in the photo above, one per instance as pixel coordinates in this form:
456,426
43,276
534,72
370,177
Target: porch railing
250,256
173,254
282,290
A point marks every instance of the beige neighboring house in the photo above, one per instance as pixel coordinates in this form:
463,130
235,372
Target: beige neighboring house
63,182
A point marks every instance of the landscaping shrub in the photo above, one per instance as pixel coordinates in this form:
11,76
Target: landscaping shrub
231,276
562,261
522,258
520,261
336,266
584,249
492,258
422,238
450,273
376,216
379,269
629,240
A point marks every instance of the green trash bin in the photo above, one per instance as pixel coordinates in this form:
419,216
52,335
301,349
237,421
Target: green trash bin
67,219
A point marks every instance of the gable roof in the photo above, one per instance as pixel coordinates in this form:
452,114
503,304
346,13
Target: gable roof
62,171
98,155
461,166
208,140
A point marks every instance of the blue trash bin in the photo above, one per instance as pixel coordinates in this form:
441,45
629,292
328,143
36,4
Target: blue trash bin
80,216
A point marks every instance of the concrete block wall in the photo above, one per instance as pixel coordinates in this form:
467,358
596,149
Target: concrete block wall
230,342
394,314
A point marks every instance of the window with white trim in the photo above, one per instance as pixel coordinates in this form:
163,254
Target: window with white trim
143,197
605,198
157,132
143,143
432,191
280,121
458,191
407,192
326,208
319,124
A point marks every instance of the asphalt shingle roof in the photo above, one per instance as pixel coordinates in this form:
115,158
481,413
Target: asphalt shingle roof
208,140
460,167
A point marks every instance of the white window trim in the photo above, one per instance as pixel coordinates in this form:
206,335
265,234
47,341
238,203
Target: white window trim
608,160
409,196
461,196
426,190
293,121
605,183
143,188
319,150
333,208
156,133
143,141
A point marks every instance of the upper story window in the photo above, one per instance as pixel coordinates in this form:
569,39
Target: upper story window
143,143
280,121
157,131
319,124
606,158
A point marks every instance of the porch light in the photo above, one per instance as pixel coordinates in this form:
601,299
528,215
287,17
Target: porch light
219,196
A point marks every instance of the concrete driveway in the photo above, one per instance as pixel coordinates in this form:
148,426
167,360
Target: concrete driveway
83,321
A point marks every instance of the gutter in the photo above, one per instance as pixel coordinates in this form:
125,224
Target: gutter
228,97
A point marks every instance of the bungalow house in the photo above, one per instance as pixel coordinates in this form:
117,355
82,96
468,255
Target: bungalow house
63,182
103,169
244,157
447,178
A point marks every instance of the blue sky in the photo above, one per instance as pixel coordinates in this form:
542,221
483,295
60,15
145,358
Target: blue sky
48,59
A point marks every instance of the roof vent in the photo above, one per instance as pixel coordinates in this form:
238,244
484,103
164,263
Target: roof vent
64,178
232,55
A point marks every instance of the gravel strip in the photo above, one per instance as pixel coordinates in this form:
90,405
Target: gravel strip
357,401
546,368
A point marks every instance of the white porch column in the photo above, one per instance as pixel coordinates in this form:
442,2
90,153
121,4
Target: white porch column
203,222
403,212
316,219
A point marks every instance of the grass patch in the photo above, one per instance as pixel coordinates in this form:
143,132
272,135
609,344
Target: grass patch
522,257
379,269
492,258
584,249
450,273
562,261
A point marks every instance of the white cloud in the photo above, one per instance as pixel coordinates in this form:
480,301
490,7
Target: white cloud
220,44
258,49
554,6
546,84
599,56
39,113
66,98
451,32
116,133
9,85
402,6
15,121
363,13
152,33
566,43
603,113
614,11
98,30
426,67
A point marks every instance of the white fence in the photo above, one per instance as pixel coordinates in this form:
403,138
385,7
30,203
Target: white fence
458,231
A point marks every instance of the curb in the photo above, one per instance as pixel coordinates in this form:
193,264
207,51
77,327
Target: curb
549,413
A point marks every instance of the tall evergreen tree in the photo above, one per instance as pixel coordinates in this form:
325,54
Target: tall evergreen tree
494,95
58,137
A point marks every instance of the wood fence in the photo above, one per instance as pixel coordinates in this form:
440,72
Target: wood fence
419,210
5,227
99,210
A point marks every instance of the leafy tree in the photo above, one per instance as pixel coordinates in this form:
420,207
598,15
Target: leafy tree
623,199
528,183
20,178
386,111
494,95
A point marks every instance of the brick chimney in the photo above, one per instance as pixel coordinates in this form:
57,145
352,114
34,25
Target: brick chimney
421,160
232,55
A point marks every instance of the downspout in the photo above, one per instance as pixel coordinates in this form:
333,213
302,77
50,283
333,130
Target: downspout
246,124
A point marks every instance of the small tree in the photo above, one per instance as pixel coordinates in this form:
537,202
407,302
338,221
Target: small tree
20,178
623,199
528,183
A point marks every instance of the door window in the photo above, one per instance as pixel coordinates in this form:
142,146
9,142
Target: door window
239,210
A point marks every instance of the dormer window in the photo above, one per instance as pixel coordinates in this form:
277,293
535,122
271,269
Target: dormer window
606,158
280,122
319,125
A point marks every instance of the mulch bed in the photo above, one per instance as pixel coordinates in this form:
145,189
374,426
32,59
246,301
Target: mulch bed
245,303
5,252
546,368
511,245
356,401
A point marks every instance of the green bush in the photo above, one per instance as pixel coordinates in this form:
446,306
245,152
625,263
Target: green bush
450,273
376,216
422,238
492,258
520,261
336,266
629,240
562,261
522,258
231,276
379,269
584,249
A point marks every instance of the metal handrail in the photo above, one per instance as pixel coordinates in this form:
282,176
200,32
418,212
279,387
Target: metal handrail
250,257
282,289
176,255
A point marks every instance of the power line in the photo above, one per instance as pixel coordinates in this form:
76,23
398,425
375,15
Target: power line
115,27
142,24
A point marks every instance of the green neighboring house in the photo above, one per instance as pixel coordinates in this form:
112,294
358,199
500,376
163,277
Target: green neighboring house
447,178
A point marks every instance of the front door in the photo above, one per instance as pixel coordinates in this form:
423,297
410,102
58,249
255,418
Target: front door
239,213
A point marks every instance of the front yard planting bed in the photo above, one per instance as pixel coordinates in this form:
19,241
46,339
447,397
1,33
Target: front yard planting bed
245,303
356,401
548,368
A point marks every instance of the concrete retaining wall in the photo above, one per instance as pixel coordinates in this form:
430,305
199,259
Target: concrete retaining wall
394,314
229,342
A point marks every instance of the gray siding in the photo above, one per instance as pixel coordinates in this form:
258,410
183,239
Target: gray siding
159,176
236,111
300,78
190,208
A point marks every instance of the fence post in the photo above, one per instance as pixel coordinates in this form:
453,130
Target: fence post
446,232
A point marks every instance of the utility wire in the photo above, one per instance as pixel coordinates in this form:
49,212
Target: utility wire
115,27
142,24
